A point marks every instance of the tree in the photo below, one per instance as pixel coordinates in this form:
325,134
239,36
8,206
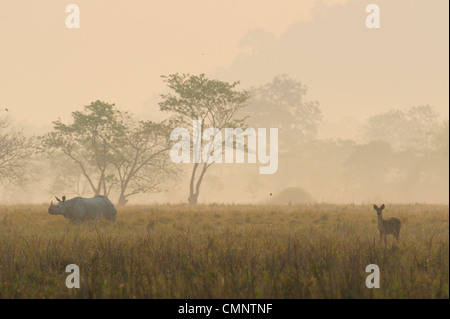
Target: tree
66,176
213,102
411,129
87,142
282,104
15,151
440,142
140,159
112,150
369,166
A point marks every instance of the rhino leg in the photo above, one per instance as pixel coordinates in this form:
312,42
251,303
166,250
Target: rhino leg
111,217
76,220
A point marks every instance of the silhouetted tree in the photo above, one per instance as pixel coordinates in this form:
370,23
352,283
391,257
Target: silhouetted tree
404,130
141,160
214,103
113,150
282,104
15,152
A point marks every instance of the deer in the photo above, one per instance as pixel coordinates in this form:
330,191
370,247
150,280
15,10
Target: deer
387,226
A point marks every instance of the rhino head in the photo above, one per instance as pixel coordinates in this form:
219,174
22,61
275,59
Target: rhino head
58,209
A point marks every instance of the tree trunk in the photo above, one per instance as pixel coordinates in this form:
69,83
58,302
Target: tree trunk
193,198
122,200
193,195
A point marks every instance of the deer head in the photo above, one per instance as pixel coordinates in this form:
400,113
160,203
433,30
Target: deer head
378,209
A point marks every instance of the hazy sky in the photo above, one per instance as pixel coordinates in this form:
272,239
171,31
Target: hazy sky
122,48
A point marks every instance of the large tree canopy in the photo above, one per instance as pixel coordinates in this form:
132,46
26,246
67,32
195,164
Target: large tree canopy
282,104
113,150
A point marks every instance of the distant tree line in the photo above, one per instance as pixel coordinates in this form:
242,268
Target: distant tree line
104,150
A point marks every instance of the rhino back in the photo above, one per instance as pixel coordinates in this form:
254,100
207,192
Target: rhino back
76,209
99,206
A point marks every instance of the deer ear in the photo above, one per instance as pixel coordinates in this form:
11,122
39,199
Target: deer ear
382,206
375,207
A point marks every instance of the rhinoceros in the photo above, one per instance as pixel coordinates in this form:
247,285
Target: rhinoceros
79,209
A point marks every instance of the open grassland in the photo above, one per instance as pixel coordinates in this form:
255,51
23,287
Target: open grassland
225,251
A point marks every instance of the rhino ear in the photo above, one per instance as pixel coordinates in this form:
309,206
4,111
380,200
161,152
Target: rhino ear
57,199
64,198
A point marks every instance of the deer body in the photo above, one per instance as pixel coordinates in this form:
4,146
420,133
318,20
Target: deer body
389,226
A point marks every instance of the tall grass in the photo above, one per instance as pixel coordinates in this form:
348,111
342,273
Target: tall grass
225,251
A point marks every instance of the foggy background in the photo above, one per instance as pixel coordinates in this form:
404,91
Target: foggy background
378,133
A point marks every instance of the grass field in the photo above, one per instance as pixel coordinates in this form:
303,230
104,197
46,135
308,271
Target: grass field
225,251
